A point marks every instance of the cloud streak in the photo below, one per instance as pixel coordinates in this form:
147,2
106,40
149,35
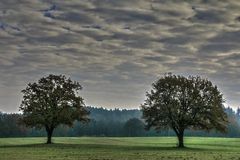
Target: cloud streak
116,49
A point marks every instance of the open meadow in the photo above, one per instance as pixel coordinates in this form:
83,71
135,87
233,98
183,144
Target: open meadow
140,148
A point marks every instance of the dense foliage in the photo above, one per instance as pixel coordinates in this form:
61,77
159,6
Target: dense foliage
52,101
106,123
134,127
180,103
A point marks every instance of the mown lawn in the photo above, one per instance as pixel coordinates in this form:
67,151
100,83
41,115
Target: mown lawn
148,148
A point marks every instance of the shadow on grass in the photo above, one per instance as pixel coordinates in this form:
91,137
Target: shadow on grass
105,147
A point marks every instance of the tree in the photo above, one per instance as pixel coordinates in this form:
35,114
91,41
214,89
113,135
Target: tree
233,126
181,103
134,127
238,112
9,126
52,101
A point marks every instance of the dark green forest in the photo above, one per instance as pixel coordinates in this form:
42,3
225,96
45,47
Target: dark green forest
114,123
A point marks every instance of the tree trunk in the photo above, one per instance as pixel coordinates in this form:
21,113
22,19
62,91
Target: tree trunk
49,135
180,134
180,140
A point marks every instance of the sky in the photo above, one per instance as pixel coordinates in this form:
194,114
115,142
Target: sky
117,48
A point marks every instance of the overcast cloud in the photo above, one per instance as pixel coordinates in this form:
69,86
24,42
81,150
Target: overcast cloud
117,48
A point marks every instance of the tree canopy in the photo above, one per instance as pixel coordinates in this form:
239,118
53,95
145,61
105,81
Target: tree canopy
181,103
134,127
52,101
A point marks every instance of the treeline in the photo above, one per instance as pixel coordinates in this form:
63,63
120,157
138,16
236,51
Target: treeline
106,122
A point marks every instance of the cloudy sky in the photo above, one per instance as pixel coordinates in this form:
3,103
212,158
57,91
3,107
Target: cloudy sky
117,48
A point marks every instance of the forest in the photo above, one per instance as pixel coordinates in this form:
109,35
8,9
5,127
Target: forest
109,123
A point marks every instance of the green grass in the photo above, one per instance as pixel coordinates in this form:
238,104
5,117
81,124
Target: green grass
89,148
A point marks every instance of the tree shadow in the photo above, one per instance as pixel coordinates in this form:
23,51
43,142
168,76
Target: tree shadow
108,146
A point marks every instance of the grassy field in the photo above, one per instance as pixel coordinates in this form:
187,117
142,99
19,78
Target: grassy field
88,148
